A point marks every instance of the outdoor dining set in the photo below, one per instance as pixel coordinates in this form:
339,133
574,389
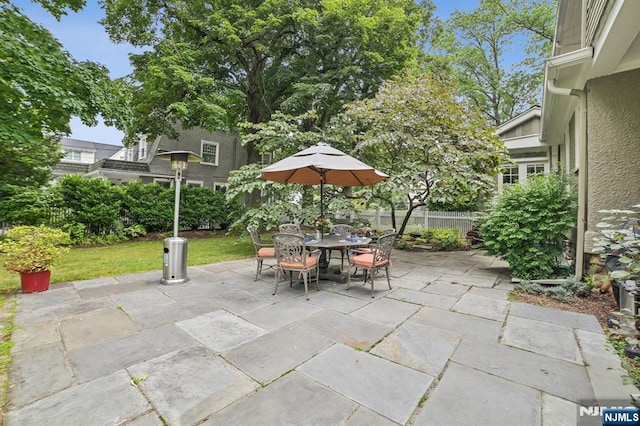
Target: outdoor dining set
308,256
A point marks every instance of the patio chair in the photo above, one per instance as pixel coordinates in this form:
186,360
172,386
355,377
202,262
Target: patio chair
289,228
370,263
263,251
292,255
341,230
371,246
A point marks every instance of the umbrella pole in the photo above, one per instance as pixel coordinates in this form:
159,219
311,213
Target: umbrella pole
322,195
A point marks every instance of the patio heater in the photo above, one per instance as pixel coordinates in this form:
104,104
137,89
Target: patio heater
174,270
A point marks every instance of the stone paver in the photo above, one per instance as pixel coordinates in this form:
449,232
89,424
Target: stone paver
556,316
387,312
220,330
107,400
496,401
355,332
407,346
564,379
548,339
81,331
387,388
95,361
274,316
268,357
424,298
291,400
481,306
443,347
467,325
35,374
188,386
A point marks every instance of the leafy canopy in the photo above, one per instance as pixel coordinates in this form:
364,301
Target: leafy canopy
217,64
432,145
41,88
480,47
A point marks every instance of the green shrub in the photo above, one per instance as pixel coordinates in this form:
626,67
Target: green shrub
446,238
528,223
92,202
148,205
565,292
25,206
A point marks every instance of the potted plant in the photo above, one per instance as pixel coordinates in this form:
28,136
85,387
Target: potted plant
31,251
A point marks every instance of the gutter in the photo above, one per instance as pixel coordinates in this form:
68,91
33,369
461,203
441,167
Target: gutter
581,141
576,60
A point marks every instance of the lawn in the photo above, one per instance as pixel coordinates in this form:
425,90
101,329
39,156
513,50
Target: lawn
96,262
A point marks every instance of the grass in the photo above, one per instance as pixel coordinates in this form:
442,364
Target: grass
97,262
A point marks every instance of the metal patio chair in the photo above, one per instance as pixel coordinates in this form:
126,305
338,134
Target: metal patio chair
263,251
370,263
292,255
341,230
289,228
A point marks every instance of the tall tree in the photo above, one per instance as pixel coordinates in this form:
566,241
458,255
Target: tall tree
41,88
431,144
415,129
497,51
215,63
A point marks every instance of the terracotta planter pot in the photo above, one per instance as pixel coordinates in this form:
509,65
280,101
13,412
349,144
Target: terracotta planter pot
35,282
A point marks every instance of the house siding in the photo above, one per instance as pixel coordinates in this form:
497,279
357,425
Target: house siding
231,155
613,104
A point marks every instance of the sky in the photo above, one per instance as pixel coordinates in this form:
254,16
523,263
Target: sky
85,39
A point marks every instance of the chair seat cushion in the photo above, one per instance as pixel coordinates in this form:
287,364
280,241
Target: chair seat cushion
364,250
366,261
311,263
267,252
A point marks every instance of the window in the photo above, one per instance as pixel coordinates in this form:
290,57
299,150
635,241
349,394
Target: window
220,187
533,169
266,158
72,155
510,174
163,182
209,153
194,183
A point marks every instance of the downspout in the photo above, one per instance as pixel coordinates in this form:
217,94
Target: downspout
581,136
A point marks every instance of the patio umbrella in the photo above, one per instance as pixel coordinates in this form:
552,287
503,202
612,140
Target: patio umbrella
322,164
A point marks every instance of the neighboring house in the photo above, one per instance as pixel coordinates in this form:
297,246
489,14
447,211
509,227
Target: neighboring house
221,152
529,156
591,107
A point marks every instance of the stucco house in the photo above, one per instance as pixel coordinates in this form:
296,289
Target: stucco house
221,152
591,107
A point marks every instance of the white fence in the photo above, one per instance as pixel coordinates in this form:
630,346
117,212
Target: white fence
421,219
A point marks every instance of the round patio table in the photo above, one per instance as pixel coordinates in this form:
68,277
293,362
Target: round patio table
329,241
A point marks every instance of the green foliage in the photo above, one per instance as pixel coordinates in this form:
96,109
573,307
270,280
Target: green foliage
92,202
241,61
202,207
25,205
528,223
432,145
565,292
148,205
32,248
480,44
404,243
134,231
446,238
42,88
620,239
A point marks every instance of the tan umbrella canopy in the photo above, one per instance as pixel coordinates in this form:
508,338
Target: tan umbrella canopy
322,164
